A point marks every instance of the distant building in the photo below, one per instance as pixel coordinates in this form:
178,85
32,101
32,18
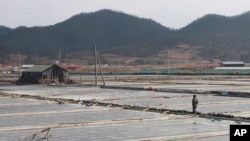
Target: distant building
44,74
232,64
22,68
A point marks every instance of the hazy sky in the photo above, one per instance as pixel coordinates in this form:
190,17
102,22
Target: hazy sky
170,13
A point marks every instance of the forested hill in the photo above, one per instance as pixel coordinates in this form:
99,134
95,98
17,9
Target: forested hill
106,29
212,23
221,36
119,33
4,30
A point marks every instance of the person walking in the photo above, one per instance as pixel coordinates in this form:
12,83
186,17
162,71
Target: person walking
194,103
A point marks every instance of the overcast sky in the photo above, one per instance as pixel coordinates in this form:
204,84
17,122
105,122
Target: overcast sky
170,13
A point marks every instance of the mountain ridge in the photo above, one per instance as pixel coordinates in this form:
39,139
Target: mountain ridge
105,28
220,37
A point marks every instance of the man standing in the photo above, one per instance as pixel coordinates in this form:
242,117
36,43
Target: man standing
194,103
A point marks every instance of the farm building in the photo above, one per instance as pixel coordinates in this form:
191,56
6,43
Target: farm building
44,74
232,64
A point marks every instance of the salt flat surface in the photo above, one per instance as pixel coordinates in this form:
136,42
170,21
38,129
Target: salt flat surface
20,117
140,130
208,103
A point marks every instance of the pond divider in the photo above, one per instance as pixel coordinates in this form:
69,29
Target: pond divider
215,93
215,116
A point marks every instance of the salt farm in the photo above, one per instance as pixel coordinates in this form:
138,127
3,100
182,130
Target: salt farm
124,70
131,108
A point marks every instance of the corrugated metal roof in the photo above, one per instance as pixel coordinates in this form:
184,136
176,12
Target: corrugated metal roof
41,68
38,68
232,62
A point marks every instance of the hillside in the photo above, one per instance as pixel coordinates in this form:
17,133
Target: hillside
107,29
4,30
222,37
122,35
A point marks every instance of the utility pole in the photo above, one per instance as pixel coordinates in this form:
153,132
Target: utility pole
59,56
95,67
100,68
19,65
97,59
168,62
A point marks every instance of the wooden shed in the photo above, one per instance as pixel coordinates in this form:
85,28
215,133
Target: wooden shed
44,74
